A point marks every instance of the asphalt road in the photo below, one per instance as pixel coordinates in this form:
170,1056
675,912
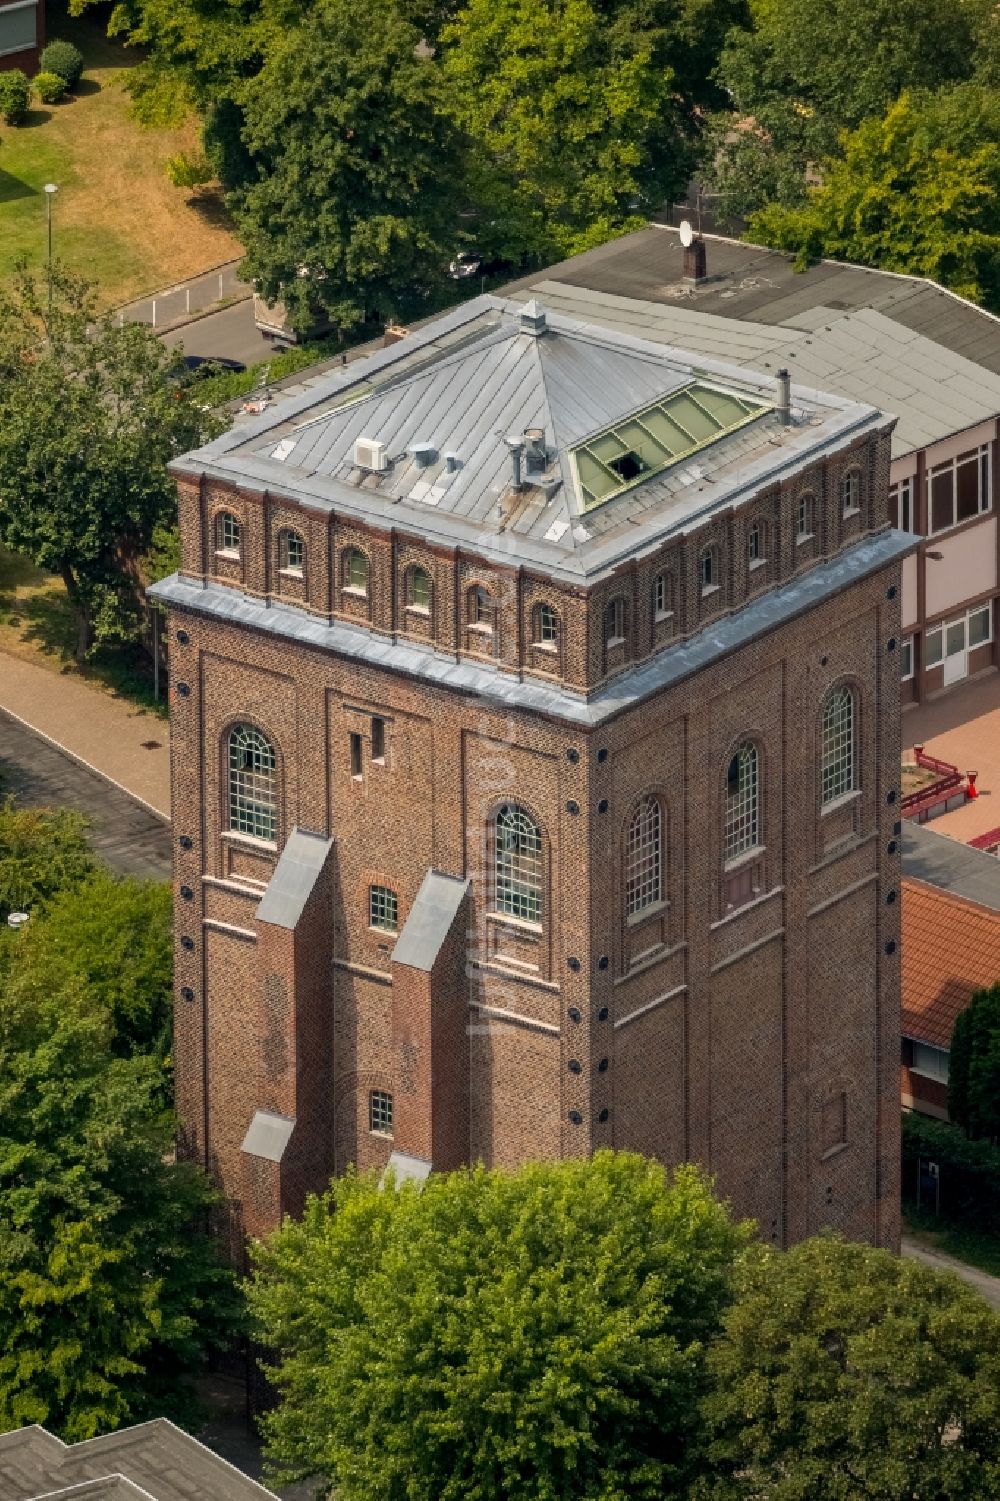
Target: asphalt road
128,838
229,334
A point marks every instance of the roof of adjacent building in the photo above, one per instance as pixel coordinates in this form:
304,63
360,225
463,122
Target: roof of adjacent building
150,1462
444,401
902,343
951,949
936,860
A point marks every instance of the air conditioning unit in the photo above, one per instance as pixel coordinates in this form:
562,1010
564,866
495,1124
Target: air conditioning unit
370,454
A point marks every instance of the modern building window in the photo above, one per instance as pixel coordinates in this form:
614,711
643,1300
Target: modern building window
931,1062
18,27
850,492
742,802
708,567
380,1112
934,646
755,544
383,909
355,567
291,552
546,626
418,589
901,505
614,622
357,767
804,518
951,637
663,596
378,739
980,626
960,489
644,857
228,534
253,783
517,864
482,608
906,658
838,744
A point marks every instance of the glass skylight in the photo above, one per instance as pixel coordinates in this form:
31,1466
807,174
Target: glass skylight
657,436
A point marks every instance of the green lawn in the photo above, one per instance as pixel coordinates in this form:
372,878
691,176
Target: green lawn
117,219
971,1246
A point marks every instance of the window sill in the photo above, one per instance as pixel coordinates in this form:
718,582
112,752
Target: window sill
383,932
636,919
479,628
423,611
353,592
250,840
737,863
707,590
842,801
551,648
614,641
802,537
834,1151
662,615
756,563
228,554
850,511
291,573
520,924
382,1135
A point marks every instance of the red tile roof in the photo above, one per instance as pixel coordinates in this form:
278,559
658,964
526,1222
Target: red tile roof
951,948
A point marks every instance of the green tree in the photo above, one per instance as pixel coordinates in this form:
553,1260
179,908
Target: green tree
800,73
110,1290
538,1334
845,1373
90,415
111,939
916,190
577,119
42,851
357,169
974,1069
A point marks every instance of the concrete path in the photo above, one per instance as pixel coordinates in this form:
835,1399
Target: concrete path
125,744
126,836
171,305
963,726
229,334
983,1282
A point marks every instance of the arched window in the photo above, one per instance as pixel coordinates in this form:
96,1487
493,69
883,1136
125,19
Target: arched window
253,783
517,864
291,552
663,596
546,626
614,621
804,519
742,802
708,568
418,589
644,857
355,571
482,608
228,534
838,744
850,492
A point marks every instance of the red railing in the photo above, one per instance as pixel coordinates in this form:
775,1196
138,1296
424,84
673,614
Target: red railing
985,841
949,783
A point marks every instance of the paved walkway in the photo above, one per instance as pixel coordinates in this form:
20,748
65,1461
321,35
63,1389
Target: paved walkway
963,727
125,744
173,305
127,837
983,1282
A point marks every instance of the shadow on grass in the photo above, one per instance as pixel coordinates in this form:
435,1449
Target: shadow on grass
34,118
208,205
84,89
12,188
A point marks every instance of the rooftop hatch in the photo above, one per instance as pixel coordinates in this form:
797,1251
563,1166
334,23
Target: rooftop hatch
637,447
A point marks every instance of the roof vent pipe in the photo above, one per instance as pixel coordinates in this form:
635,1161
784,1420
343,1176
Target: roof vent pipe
784,397
534,439
515,445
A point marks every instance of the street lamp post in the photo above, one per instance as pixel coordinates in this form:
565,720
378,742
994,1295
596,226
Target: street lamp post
51,190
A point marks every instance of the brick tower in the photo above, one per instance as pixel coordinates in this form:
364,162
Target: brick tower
535,736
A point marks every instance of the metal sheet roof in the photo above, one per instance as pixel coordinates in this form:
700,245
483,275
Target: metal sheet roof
429,920
268,1135
294,877
939,861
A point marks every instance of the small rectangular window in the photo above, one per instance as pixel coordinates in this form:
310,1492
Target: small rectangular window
380,1112
356,762
753,545
383,909
906,658
955,637
933,646
931,1062
378,739
979,626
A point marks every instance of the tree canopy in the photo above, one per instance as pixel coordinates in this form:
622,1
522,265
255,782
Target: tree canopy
974,1068
915,190
537,1334
843,1372
42,851
90,415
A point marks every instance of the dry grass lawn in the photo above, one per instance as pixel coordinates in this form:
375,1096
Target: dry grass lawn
117,219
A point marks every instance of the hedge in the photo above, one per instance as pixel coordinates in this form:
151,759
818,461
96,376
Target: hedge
969,1171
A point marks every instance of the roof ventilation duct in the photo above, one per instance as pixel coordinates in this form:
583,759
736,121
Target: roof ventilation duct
532,318
784,404
534,444
516,446
422,454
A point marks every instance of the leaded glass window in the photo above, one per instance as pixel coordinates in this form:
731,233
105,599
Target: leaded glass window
804,521
356,571
850,491
546,625
644,857
517,864
418,589
614,621
661,595
380,1111
292,552
229,533
742,803
838,744
755,551
480,607
383,909
253,783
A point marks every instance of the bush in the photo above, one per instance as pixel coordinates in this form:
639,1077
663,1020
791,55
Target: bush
969,1171
65,59
15,96
50,87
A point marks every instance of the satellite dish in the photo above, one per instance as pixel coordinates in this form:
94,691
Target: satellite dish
686,232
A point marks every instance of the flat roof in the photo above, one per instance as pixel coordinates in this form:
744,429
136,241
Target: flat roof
902,343
940,861
441,405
